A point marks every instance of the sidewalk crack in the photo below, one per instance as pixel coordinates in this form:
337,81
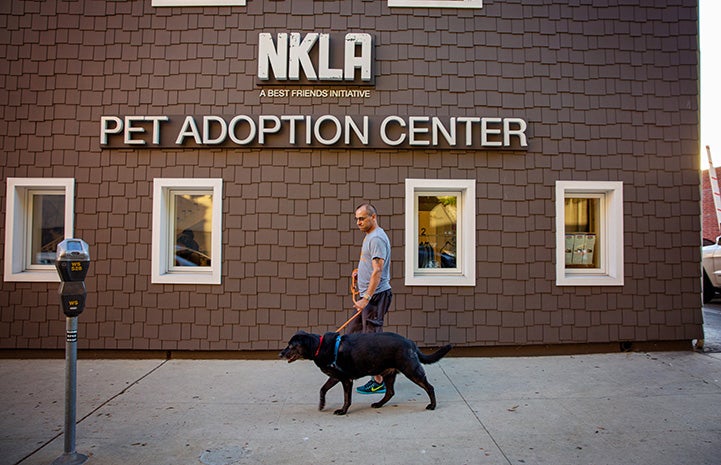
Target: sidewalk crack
103,404
478,419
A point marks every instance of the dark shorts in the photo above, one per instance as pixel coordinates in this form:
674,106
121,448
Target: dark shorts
371,319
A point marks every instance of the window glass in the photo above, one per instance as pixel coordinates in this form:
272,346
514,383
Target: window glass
582,232
193,220
437,231
47,226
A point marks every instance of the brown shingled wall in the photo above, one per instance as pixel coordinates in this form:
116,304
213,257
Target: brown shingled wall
610,92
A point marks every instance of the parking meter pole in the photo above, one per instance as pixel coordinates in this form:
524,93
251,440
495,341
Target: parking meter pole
70,457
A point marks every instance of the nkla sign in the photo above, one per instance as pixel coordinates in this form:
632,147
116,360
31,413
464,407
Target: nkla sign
284,58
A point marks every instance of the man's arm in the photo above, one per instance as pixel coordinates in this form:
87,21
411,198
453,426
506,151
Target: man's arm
375,279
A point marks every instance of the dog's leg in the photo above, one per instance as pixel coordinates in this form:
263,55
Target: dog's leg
418,376
328,384
389,379
347,391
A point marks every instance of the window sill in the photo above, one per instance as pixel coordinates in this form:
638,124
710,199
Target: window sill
440,281
187,278
589,280
36,276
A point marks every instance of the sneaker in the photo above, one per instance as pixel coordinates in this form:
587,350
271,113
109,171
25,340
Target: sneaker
371,387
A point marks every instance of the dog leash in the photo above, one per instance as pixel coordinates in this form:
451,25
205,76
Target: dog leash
354,292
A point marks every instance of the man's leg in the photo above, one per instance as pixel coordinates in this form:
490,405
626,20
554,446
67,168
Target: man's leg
373,320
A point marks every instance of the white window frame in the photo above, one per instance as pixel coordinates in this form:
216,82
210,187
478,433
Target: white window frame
163,269
18,217
435,3
611,267
162,3
465,275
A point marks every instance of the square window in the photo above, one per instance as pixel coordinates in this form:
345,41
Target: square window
187,215
589,233
39,216
440,233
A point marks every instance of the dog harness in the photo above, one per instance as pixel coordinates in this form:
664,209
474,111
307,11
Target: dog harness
334,364
335,353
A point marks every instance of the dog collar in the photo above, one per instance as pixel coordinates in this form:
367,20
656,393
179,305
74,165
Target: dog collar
317,351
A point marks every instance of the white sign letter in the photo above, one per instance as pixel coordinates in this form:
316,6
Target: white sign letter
268,54
324,69
129,129
384,135
190,128
363,61
450,136
485,131
292,119
520,132
415,128
299,56
319,136
351,125
156,126
105,128
252,130
206,130
267,129
469,120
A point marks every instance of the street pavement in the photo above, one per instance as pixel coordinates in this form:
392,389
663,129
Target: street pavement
635,408
712,326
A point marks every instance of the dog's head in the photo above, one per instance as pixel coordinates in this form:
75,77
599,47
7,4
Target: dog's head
298,347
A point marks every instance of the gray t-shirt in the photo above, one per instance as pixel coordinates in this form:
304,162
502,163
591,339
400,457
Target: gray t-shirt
375,245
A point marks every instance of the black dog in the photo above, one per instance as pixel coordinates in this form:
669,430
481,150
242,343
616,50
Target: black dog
348,357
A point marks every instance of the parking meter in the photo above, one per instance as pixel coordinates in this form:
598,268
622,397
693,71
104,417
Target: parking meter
72,262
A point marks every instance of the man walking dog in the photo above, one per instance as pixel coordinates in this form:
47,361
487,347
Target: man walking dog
374,273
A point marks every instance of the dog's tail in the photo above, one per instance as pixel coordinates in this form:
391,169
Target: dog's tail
435,356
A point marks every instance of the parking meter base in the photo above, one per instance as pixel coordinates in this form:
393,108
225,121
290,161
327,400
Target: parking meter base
72,458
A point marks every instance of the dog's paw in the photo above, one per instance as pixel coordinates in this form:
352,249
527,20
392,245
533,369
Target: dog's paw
340,411
431,407
377,404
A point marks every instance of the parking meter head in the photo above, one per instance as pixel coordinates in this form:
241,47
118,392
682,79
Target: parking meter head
72,260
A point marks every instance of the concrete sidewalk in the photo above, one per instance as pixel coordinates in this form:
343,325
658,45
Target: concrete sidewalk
630,408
